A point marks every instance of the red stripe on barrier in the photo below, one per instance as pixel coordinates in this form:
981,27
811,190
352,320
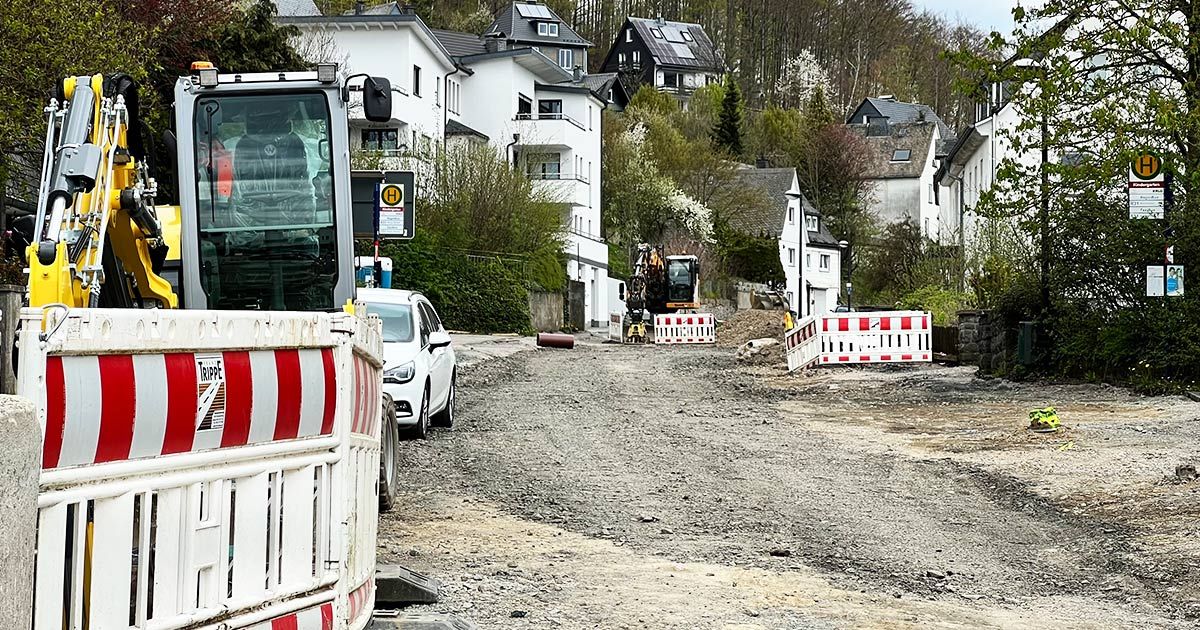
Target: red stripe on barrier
181,403
239,398
285,623
906,323
330,391
287,409
119,408
356,415
906,357
864,324
924,323
886,357
327,617
864,358
843,324
843,359
885,323
56,412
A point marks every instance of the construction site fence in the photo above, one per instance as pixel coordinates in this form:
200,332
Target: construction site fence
204,469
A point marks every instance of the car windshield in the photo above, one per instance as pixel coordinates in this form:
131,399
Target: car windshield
397,321
265,201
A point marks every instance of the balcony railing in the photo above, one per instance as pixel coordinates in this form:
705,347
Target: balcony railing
557,177
591,237
551,116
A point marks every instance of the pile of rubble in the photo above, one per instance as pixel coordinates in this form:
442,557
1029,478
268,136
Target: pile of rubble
747,325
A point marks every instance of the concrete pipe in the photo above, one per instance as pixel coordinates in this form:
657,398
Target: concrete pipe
555,340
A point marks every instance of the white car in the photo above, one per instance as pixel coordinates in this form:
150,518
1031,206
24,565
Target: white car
418,361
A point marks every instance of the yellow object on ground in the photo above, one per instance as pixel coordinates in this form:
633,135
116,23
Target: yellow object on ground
1043,420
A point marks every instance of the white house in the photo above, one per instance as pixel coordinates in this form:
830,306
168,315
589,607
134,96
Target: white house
495,88
810,256
906,142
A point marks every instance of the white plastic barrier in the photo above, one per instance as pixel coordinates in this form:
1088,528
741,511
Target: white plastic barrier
803,344
881,337
204,469
616,327
695,328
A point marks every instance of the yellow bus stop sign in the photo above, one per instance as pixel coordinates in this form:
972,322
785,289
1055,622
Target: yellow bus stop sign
392,195
1147,166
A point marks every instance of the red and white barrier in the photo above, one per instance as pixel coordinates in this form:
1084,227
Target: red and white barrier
616,327
204,469
881,337
694,328
803,344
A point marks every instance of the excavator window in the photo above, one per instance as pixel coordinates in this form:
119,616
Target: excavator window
681,280
265,201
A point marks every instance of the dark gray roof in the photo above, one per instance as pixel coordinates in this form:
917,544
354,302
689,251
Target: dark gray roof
899,113
915,138
822,237
291,8
455,128
677,51
524,29
460,44
599,83
765,218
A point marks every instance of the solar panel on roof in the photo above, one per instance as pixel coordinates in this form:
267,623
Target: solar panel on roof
682,51
533,11
672,34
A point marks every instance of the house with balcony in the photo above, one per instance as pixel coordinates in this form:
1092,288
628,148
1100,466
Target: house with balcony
508,91
531,24
674,57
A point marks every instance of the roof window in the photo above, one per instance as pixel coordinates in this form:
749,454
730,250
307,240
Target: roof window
687,37
656,33
901,155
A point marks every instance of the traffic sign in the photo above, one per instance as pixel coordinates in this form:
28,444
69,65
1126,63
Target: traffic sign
391,195
1147,187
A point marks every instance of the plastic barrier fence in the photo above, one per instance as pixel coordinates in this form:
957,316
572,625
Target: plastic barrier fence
803,344
882,337
696,328
204,469
616,327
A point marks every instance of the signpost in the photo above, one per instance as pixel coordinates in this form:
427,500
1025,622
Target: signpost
1147,187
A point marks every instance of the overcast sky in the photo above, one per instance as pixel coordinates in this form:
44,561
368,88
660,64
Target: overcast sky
988,15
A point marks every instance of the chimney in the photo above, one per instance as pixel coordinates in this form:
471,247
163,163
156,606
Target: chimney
761,162
359,7
578,73
661,21
494,42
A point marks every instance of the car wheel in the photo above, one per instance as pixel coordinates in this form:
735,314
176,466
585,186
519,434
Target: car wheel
420,430
389,471
445,417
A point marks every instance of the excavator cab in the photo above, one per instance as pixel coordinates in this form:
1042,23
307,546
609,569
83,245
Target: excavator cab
265,206
683,276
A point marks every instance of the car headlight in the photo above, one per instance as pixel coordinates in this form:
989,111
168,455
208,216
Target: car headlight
400,374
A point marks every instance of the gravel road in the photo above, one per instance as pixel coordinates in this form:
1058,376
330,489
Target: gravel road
626,487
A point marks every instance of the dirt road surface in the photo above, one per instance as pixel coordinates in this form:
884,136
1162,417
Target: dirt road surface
624,487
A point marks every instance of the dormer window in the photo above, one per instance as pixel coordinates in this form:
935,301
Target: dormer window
656,33
548,29
811,224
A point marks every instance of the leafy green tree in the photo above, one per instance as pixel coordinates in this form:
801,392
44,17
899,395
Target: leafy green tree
43,43
728,132
775,134
648,100
253,42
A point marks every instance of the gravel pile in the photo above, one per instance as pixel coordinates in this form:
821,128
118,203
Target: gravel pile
747,325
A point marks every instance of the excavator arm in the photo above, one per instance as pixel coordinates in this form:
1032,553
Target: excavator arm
97,235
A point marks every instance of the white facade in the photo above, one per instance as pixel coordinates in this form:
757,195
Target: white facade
914,199
524,103
792,245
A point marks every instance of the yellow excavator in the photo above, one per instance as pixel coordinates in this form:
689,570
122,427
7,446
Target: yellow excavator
264,217
659,284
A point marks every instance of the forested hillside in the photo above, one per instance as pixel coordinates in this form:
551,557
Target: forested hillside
866,47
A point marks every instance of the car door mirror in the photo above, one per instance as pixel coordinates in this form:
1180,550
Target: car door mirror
438,339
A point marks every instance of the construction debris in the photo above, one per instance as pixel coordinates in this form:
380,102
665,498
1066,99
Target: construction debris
748,325
764,351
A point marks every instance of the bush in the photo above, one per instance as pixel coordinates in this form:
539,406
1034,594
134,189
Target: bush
943,304
488,296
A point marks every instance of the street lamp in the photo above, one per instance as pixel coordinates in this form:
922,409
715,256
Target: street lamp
845,247
1035,66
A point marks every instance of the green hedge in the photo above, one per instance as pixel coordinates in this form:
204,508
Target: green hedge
487,296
